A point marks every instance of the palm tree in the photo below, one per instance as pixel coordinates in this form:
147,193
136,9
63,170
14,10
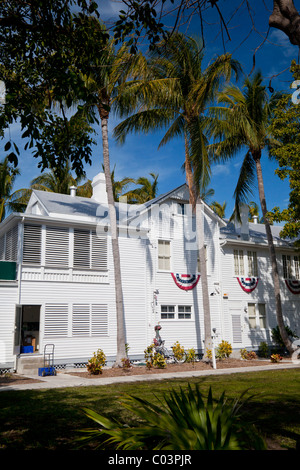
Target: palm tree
7,178
146,192
243,125
174,95
105,75
119,186
219,208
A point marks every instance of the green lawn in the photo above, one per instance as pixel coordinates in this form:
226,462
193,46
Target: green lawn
51,419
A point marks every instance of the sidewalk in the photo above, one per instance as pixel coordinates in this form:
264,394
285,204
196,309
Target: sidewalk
66,380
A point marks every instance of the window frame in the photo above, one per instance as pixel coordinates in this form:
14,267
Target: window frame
258,316
291,267
174,315
164,242
245,263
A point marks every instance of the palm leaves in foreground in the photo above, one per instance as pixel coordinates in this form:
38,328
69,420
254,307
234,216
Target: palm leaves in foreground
183,421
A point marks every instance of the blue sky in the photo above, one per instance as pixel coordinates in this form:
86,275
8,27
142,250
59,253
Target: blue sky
140,155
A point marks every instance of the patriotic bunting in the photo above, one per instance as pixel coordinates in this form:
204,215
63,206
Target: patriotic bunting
185,281
248,284
293,286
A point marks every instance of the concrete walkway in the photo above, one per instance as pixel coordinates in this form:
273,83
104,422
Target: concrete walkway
66,380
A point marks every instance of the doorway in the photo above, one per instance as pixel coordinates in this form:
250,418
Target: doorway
27,328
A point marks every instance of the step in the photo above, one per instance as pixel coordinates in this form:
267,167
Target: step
29,364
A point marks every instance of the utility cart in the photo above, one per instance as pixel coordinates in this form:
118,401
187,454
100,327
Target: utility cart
48,368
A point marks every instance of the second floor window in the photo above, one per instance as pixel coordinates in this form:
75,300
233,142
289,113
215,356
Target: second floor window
291,267
164,255
245,266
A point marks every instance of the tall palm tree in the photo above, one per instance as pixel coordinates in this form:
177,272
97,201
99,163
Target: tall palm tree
7,178
105,75
173,96
243,126
119,186
146,192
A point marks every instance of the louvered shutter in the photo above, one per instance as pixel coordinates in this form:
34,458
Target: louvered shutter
236,329
57,246
11,246
82,248
81,320
56,320
99,320
2,247
32,244
99,252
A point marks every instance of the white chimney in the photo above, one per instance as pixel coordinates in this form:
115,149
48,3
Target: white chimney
73,191
99,189
244,211
255,219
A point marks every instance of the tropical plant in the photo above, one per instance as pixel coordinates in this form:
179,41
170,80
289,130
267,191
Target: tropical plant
240,122
184,420
277,337
190,355
119,186
146,192
8,175
263,349
248,355
223,350
276,358
219,209
159,361
178,351
96,363
174,95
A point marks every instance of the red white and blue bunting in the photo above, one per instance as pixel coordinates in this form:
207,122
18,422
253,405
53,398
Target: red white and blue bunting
293,286
186,281
248,284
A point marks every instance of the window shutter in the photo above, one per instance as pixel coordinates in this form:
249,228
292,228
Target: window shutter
236,329
99,320
32,244
81,320
11,246
56,320
99,252
57,246
81,248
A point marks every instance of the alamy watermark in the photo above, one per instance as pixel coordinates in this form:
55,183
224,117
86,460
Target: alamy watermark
295,95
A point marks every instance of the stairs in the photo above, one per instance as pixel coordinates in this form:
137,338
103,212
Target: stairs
28,364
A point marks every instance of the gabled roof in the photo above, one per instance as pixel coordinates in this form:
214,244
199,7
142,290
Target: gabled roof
257,234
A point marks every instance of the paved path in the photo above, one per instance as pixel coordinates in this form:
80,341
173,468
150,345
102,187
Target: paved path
67,380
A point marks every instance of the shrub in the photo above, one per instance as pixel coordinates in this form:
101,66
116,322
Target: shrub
126,363
248,355
208,354
178,351
263,350
190,355
149,353
96,363
276,358
223,350
159,361
276,336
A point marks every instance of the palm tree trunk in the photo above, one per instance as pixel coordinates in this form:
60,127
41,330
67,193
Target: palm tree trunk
203,271
121,350
275,273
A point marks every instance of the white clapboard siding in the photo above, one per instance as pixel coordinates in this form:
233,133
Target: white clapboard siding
32,244
56,320
57,246
2,248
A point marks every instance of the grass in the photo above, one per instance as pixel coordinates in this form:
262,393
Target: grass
52,419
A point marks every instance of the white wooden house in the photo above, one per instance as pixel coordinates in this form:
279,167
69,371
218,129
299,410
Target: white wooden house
57,279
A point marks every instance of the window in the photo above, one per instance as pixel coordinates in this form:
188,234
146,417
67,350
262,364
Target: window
242,268
164,255
175,312
90,251
238,262
181,208
252,264
56,320
184,311
89,320
167,311
257,316
9,245
291,267
32,244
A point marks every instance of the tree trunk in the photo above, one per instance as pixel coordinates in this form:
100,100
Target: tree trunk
275,273
203,272
121,350
286,18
